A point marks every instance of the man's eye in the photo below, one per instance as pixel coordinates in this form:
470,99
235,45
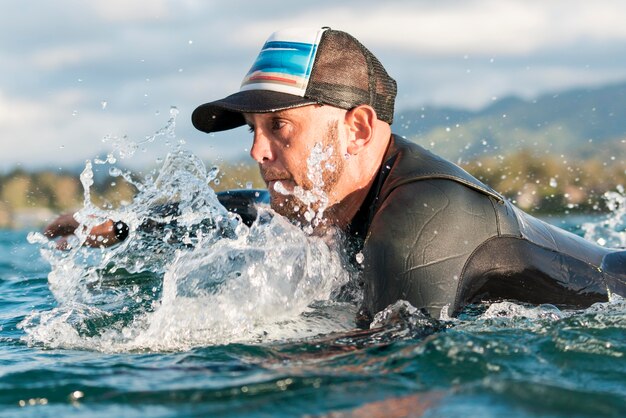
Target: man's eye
277,125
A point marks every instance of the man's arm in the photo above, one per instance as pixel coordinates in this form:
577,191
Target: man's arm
102,235
419,241
108,233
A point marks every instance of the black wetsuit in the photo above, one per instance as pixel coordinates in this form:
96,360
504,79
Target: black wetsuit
437,237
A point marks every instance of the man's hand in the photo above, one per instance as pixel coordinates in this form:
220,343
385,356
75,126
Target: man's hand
103,235
62,226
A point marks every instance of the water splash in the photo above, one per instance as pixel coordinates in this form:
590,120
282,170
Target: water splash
126,147
247,288
610,231
190,272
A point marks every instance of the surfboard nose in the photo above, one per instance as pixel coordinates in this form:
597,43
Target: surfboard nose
243,202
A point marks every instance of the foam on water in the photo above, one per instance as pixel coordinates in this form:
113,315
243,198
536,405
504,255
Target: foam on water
199,277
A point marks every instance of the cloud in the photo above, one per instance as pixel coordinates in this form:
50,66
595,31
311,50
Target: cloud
130,11
60,57
466,27
60,63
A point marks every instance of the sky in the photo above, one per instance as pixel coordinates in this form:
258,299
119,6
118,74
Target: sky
74,73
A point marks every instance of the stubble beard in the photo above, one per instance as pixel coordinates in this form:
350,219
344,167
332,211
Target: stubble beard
332,168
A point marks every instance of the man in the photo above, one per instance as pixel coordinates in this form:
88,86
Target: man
431,233
320,106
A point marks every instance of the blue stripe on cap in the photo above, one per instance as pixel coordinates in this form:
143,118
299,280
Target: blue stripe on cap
285,62
291,58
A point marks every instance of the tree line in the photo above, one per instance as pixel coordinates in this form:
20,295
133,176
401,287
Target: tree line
540,184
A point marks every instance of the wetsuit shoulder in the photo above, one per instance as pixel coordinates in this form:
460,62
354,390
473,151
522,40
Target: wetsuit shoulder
419,240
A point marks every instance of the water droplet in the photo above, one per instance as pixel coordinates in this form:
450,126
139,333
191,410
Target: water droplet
359,258
553,182
213,172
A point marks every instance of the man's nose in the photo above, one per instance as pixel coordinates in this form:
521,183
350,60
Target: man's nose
261,150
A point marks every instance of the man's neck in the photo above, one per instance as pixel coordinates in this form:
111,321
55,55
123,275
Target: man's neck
342,213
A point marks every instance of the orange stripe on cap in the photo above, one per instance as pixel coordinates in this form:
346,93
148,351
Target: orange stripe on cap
272,78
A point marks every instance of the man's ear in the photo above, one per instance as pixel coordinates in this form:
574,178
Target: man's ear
360,121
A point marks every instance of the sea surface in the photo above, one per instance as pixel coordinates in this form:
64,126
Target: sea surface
197,314
500,360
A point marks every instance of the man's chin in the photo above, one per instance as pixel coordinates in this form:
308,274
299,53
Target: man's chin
287,206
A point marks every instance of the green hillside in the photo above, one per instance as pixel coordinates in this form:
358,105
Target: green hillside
581,123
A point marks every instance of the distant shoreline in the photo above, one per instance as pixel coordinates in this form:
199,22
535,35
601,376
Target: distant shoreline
38,217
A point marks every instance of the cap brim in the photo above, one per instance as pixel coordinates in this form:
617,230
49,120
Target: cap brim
225,114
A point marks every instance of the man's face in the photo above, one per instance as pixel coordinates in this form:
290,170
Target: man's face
298,150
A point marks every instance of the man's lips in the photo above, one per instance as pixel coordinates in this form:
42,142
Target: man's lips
275,179
287,184
271,177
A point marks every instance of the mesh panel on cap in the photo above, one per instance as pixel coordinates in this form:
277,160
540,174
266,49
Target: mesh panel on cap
346,75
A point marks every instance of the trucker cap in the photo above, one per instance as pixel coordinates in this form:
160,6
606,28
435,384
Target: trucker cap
299,67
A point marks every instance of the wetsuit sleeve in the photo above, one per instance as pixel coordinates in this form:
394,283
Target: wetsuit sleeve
418,242
242,202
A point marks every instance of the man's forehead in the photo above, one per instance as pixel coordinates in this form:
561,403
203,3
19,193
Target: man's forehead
270,114
293,112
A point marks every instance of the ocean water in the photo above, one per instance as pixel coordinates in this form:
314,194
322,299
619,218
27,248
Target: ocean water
208,317
65,355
